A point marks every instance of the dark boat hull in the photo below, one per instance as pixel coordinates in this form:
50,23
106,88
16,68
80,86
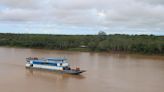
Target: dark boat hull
75,72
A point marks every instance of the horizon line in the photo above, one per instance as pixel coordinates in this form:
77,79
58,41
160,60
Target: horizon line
78,34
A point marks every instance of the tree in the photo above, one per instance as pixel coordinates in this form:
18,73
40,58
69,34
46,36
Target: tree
102,35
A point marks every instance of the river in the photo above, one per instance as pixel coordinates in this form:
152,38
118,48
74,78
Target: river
106,72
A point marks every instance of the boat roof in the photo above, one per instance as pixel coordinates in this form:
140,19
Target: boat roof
55,59
51,60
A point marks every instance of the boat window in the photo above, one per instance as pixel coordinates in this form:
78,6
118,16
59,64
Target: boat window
55,64
52,64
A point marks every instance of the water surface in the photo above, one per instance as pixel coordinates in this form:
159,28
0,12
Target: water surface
105,72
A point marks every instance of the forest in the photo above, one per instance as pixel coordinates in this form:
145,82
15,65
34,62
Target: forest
146,44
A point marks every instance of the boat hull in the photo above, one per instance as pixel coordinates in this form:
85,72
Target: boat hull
72,71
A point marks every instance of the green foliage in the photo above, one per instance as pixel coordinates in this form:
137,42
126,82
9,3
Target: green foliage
126,43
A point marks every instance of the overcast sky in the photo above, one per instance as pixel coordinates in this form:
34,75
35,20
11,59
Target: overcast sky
82,16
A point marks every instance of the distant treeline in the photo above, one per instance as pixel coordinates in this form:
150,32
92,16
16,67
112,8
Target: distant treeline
148,44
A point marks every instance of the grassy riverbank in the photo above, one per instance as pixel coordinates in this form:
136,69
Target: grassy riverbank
147,44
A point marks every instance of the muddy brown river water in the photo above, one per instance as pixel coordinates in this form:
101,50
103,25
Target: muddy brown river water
105,72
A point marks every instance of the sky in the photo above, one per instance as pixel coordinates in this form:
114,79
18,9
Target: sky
82,16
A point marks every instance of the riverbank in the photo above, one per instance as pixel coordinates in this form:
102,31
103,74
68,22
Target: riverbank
76,50
143,44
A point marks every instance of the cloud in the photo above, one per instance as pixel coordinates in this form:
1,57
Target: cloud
20,3
108,14
156,2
